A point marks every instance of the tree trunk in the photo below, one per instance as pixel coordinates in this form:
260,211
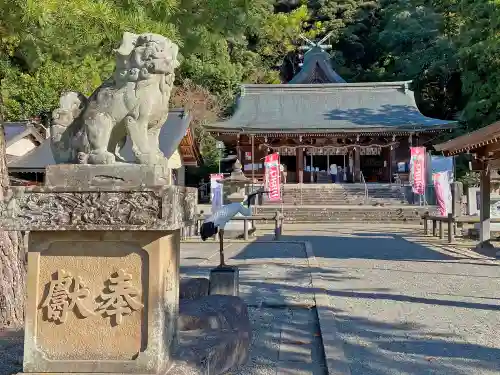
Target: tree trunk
12,257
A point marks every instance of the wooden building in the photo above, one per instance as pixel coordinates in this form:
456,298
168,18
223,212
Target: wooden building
317,119
484,147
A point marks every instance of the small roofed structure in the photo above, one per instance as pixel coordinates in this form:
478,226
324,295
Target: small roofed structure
21,137
316,69
175,130
484,145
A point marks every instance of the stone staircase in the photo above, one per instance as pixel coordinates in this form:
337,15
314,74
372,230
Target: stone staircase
341,194
313,203
344,203
347,214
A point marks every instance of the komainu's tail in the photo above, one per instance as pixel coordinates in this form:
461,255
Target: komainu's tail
67,133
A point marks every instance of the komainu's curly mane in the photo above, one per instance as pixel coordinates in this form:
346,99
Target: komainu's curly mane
133,101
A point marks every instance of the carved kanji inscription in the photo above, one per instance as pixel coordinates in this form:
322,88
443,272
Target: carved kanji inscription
67,293
121,297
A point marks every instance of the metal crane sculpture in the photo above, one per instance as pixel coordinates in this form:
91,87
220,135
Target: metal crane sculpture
218,220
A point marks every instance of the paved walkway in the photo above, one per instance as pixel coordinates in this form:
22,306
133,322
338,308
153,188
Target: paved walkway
275,281
405,304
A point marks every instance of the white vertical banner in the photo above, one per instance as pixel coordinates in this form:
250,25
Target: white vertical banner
216,192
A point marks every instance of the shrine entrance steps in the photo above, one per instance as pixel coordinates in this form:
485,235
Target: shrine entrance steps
343,194
345,202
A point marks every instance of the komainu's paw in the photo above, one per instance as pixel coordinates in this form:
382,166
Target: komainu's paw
151,159
101,158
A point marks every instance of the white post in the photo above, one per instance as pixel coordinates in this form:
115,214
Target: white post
484,209
312,169
344,173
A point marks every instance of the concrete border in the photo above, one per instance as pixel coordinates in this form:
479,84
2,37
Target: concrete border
336,362
233,240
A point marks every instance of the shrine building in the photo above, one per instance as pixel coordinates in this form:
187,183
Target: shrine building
318,119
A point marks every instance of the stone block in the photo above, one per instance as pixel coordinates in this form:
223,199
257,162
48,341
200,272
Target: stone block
117,175
111,208
103,276
225,281
101,301
193,288
211,352
214,336
213,312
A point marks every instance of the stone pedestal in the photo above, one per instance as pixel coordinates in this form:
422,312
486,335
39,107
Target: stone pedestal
103,282
116,175
101,301
225,281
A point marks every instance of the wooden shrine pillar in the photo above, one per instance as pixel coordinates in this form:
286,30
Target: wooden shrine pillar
299,169
484,209
386,152
357,165
238,148
393,165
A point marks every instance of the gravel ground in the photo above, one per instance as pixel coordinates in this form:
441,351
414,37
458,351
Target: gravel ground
11,349
405,304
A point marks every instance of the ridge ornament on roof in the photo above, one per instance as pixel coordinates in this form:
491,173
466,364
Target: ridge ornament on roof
316,67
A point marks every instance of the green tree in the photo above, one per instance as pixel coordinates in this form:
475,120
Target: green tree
478,49
12,266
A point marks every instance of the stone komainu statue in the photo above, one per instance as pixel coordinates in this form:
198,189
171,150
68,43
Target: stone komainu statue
133,101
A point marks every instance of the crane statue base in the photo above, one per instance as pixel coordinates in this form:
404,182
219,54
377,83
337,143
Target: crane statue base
224,279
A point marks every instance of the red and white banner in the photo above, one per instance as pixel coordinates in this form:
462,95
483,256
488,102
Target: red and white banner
443,192
417,164
273,177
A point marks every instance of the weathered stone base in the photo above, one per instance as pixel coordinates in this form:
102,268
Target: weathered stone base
211,352
116,175
193,288
91,266
213,312
214,336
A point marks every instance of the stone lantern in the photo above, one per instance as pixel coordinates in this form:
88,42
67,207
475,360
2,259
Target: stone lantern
235,183
234,187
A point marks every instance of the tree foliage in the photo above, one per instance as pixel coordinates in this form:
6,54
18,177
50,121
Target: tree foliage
448,48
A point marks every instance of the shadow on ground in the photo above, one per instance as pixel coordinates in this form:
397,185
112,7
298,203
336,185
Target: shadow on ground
372,346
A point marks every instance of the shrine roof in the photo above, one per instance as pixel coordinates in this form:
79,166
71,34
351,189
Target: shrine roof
471,142
336,107
15,131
